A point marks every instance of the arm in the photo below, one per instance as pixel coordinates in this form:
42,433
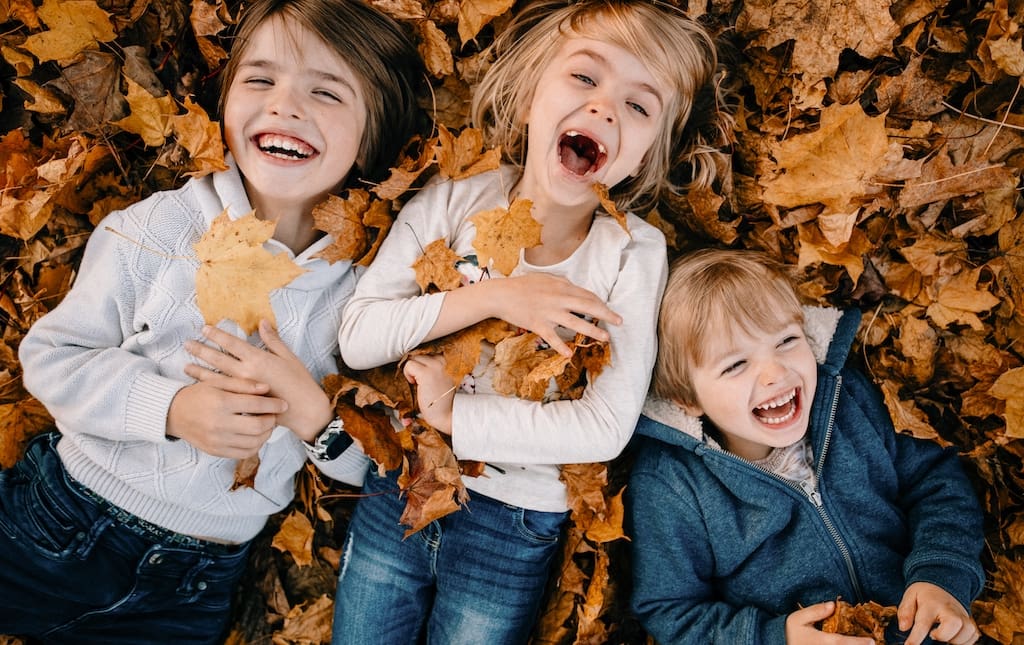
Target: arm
388,316
943,513
104,362
598,425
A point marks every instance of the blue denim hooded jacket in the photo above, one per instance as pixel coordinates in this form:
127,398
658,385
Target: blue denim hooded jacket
723,551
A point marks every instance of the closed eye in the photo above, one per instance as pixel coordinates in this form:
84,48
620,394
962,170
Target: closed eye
328,95
733,367
788,341
585,79
259,80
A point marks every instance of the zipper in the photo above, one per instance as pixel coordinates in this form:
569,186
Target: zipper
814,496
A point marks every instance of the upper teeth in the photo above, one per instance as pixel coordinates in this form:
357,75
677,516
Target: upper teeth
285,143
782,400
600,146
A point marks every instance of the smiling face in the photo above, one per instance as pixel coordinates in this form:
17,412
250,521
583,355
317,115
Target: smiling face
293,118
595,113
756,389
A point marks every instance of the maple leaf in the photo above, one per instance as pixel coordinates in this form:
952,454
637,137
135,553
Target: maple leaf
245,473
502,234
357,223
75,25
200,136
150,116
437,267
231,254
831,165
209,20
515,358
20,420
432,482
409,168
865,619
959,300
462,349
460,157
296,537
1009,387
474,15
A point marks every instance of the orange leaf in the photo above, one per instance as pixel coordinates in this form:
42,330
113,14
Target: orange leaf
296,537
231,255
150,116
501,234
245,472
432,482
866,619
437,267
75,25
609,206
460,157
200,136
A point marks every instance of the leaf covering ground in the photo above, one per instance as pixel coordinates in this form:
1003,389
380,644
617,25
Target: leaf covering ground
878,148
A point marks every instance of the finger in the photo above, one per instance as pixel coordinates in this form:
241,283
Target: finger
212,356
922,623
949,626
967,635
906,611
585,327
272,339
225,382
814,613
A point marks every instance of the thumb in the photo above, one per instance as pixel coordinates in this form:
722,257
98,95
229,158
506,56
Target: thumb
814,613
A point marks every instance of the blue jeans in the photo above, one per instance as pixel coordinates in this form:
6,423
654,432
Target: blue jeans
72,572
474,576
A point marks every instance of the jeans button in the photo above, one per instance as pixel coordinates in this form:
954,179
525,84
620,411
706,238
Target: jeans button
156,558
201,585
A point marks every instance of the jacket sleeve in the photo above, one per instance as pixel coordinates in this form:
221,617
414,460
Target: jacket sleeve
672,563
943,512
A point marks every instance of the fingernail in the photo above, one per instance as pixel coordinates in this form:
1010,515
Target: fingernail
206,330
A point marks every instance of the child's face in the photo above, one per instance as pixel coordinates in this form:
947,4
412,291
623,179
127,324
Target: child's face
293,118
757,390
595,112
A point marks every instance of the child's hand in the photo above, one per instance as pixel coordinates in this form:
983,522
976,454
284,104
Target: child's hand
925,604
800,629
225,417
434,390
309,409
541,303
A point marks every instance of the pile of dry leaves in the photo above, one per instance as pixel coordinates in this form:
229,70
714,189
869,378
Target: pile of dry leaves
878,147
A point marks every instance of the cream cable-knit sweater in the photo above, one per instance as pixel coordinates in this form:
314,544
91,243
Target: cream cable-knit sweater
110,358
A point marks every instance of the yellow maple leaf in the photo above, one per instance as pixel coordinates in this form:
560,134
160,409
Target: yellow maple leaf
960,300
236,274
295,537
831,165
501,234
435,50
357,223
75,25
201,137
150,116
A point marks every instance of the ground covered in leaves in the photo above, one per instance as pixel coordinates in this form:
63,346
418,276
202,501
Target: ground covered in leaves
878,146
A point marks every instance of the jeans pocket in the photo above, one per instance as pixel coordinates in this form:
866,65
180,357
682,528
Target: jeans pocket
540,526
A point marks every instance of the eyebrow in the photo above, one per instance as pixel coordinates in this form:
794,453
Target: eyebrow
644,87
320,74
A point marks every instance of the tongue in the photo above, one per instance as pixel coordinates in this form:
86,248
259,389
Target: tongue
573,162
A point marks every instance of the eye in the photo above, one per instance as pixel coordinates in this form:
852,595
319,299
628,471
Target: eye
584,79
789,341
329,95
258,81
637,108
733,368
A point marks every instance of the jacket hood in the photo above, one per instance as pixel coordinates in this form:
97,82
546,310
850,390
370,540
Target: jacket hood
830,333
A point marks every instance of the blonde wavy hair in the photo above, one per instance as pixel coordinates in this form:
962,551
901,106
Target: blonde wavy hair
678,51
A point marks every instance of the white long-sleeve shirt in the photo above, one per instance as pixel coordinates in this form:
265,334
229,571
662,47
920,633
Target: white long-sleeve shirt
108,361
527,440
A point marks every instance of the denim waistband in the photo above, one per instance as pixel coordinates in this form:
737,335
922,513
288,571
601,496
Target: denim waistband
154,533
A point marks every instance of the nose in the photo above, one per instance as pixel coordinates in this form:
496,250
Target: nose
284,103
772,371
602,109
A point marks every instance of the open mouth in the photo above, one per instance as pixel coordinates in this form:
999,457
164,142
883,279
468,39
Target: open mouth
580,154
282,147
779,410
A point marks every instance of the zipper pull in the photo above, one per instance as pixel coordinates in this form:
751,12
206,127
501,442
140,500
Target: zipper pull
811,493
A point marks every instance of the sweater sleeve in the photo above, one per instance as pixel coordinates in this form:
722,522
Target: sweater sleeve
672,566
78,359
597,426
387,316
943,513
